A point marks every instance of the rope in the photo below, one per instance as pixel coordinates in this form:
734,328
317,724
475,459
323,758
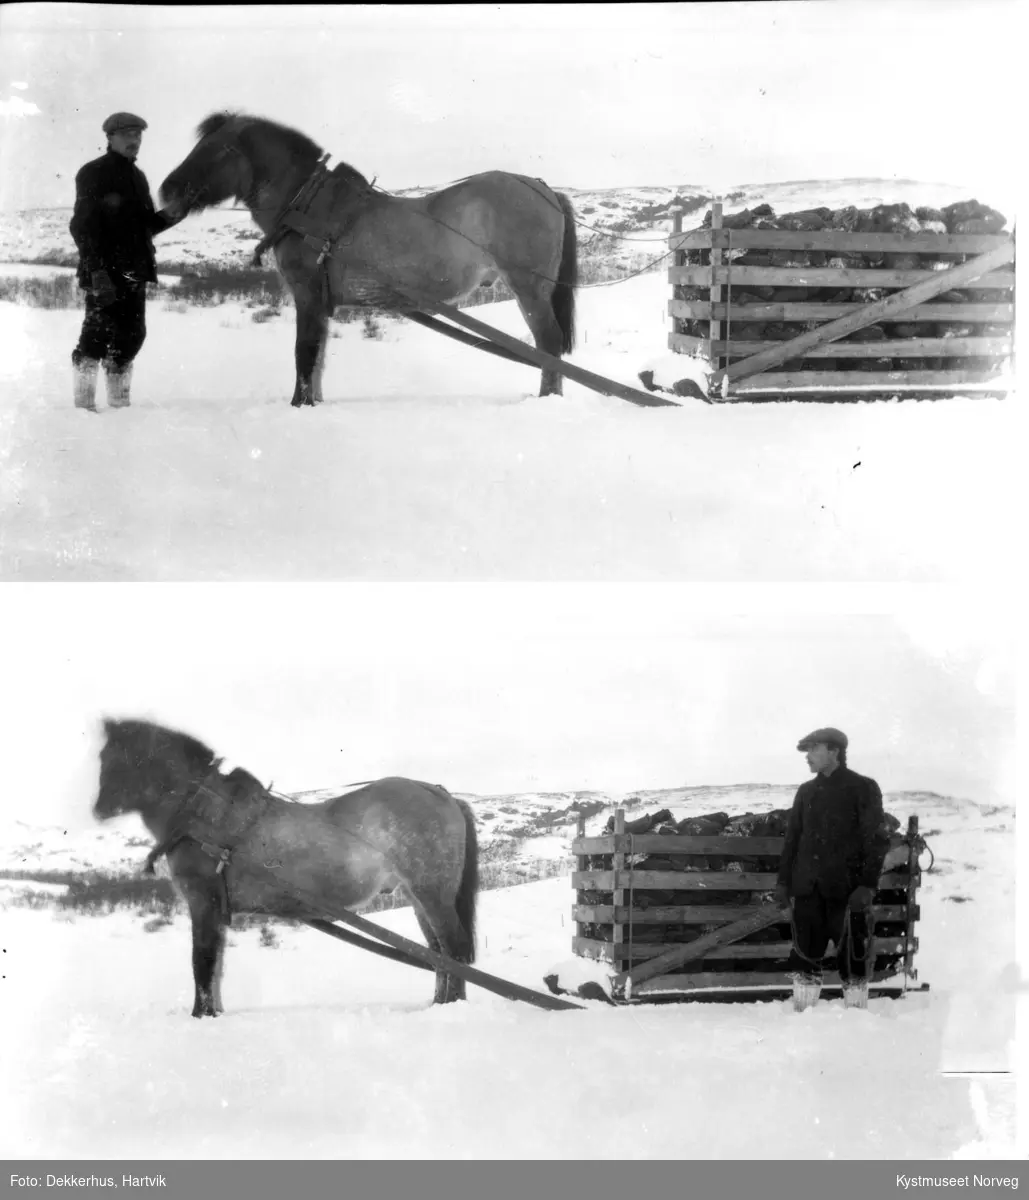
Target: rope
932,857
816,963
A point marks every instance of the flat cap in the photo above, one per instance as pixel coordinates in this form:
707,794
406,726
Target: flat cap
123,120
834,736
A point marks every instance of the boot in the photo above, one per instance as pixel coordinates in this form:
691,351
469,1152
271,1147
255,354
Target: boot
118,385
85,374
806,990
855,993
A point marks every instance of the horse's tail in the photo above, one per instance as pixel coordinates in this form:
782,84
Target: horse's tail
469,888
563,299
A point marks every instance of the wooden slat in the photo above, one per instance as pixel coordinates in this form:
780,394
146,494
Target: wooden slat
860,381
704,310
655,843
956,347
865,277
741,950
701,914
711,881
893,348
735,981
581,864
619,928
715,290
840,241
723,881
911,942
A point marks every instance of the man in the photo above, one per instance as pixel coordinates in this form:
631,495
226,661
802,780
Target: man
113,226
835,844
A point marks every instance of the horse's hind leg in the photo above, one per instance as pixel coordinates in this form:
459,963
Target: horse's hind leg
534,299
444,934
312,331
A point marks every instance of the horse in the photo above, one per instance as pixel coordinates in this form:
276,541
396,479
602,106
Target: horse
339,240
234,846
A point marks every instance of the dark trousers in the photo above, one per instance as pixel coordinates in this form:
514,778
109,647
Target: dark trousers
113,333
816,919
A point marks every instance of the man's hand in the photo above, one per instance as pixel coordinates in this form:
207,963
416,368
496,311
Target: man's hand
861,897
103,288
782,895
178,207
175,210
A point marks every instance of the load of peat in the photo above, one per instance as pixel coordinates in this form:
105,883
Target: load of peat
978,312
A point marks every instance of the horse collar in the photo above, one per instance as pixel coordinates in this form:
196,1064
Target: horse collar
300,202
180,832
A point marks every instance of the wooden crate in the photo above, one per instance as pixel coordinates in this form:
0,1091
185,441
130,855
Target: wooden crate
708,270
625,915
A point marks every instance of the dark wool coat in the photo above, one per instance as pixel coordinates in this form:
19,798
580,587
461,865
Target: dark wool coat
114,220
836,836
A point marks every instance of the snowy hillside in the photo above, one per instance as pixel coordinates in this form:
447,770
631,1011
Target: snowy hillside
228,235
537,825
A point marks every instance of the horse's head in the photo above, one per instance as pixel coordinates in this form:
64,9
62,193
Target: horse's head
142,763
216,168
238,156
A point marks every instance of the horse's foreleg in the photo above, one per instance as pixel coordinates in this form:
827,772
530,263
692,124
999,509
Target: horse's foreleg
312,332
208,949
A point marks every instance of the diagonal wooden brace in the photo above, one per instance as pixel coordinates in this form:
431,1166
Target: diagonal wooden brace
767,914
942,281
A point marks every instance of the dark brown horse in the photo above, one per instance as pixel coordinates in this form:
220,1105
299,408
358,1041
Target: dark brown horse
232,846
340,241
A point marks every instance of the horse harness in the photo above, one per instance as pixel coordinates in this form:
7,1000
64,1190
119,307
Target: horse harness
294,217
189,825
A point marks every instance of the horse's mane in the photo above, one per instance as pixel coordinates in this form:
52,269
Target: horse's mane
298,144
135,735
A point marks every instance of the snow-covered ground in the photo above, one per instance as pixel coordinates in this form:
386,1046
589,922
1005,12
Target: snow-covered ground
329,1052
429,461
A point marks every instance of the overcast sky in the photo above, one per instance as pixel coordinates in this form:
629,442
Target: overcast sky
582,95
501,688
